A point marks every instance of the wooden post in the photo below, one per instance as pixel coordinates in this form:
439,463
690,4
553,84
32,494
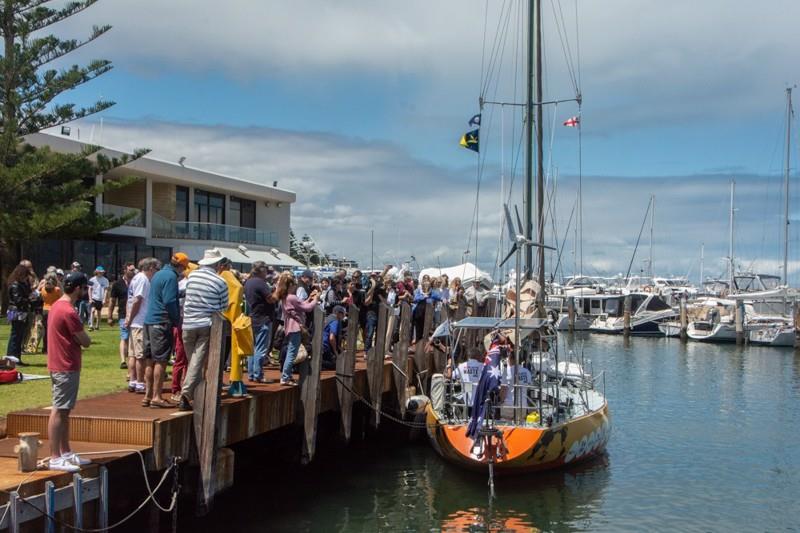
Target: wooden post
797,324
77,498
422,359
400,356
626,315
375,364
102,507
310,396
345,370
684,317
13,511
738,318
461,308
206,409
571,313
27,451
50,506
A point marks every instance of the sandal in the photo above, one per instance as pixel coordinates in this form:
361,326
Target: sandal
146,402
160,404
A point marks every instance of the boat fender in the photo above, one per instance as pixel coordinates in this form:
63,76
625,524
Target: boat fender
416,404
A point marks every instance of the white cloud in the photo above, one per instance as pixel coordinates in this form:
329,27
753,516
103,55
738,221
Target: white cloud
346,188
642,59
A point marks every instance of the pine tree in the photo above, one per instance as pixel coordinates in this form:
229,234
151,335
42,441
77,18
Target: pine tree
45,194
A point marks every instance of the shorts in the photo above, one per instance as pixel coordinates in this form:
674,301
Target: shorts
137,343
97,304
124,333
158,342
65,389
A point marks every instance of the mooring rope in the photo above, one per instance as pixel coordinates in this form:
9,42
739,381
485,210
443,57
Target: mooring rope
414,425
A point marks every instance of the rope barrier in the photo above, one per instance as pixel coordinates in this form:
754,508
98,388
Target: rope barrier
151,494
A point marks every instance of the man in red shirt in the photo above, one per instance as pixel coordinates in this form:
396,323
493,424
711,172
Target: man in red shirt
65,338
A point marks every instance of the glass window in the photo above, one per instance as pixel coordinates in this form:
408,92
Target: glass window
163,254
210,207
657,304
181,204
143,251
83,253
243,212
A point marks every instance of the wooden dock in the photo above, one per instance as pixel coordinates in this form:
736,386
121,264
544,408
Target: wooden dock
115,426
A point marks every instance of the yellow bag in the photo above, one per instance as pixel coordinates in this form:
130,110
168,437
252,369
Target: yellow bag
243,335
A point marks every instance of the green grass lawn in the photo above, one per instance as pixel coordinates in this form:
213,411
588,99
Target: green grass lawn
100,374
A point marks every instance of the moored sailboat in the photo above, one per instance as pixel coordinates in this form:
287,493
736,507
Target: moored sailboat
528,410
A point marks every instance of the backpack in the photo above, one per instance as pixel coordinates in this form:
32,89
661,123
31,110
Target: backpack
10,376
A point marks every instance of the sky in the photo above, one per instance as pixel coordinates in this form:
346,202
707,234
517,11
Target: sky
358,107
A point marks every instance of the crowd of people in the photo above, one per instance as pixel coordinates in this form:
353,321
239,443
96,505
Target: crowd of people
164,315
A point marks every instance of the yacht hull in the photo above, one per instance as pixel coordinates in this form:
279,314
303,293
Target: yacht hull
780,337
529,449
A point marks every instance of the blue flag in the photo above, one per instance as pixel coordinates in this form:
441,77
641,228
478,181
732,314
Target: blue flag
488,383
471,140
475,120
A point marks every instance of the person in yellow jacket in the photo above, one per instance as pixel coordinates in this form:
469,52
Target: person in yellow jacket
232,313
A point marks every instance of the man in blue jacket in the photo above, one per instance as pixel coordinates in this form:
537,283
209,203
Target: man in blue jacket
163,313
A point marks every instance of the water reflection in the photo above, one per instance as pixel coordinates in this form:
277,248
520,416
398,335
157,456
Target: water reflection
704,438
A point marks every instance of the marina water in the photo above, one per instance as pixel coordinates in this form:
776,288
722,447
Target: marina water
705,438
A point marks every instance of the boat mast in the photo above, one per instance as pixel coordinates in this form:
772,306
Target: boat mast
539,155
730,240
786,186
527,196
702,260
652,216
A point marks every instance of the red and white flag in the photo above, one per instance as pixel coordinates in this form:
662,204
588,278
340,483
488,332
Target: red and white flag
573,122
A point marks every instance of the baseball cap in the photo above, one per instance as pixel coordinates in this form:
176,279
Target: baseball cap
75,264
181,258
307,274
59,272
339,309
74,280
99,268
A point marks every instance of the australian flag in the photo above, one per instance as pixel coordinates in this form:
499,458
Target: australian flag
488,383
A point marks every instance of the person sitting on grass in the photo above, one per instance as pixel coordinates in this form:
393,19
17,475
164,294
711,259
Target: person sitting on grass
65,337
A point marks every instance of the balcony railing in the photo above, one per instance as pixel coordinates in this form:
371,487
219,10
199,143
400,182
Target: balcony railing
137,221
205,231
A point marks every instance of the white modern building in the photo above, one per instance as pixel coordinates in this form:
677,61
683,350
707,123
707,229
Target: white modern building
177,208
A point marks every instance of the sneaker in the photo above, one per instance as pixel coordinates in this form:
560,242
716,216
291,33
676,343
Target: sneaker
76,459
131,386
63,465
139,388
184,404
123,366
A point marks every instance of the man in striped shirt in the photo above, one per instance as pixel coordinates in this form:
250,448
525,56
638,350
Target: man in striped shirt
206,294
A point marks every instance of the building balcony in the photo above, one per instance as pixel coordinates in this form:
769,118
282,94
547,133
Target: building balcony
206,231
137,221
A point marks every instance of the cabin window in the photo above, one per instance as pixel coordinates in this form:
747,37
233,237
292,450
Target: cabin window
657,304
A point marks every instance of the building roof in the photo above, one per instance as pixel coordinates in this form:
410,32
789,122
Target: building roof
167,171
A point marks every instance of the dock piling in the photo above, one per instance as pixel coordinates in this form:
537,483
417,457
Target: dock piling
206,409
345,368
626,316
571,313
738,318
309,390
684,317
400,356
375,363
